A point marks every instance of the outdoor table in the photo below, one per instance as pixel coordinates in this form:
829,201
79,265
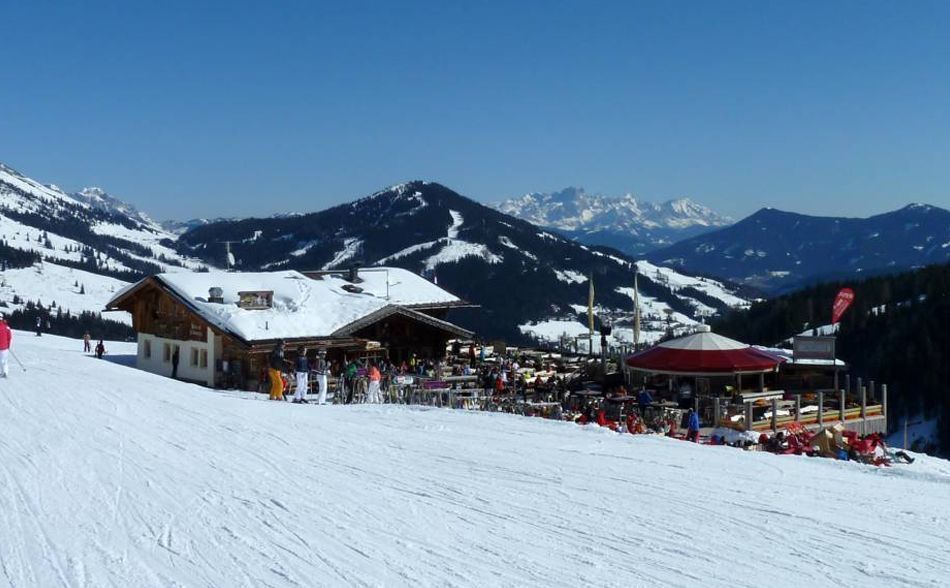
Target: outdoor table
586,392
616,405
584,396
463,397
544,408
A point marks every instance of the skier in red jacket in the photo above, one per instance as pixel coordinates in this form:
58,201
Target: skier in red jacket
6,339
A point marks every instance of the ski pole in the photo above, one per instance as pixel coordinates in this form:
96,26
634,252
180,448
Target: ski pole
17,360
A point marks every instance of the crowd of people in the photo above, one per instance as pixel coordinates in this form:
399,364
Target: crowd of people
366,379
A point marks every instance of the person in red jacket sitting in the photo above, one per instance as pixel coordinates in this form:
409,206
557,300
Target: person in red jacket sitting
6,339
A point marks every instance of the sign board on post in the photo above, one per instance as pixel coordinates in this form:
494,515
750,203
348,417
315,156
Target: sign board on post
813,347
197,332
256,299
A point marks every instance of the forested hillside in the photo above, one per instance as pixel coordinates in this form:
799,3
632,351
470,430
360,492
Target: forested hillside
896,332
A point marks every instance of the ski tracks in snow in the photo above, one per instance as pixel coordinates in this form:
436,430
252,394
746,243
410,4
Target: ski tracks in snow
457,221
116,477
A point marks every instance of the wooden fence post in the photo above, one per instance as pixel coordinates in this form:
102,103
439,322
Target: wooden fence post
716,411
821,408
774,415
864,410
798,407
748,416
841,404
884,404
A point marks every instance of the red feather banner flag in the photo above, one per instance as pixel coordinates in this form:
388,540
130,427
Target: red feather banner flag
842,302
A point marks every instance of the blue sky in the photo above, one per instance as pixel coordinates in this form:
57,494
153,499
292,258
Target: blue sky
202,108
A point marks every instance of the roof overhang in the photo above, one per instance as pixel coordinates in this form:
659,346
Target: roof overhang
703,374
410,313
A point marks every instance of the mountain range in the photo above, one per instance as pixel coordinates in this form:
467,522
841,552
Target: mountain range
626,223
776,251
73,251
528,281
69,252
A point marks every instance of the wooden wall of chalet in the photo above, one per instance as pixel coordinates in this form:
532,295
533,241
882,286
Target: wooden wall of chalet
155,312
401,336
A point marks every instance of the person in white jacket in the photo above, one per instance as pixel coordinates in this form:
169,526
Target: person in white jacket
321,368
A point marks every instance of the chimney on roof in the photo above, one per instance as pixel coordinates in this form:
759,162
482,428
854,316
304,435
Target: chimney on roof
216,295
354,274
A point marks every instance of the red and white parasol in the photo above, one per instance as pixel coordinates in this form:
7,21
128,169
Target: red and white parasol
704,354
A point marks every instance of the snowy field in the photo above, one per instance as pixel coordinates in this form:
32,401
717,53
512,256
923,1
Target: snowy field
114,477
49,282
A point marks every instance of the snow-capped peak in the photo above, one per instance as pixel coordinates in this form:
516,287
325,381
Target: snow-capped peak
575,211
98,198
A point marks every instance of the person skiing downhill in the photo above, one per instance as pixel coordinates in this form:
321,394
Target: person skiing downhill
100,349
86,343
39,326
275,363
321,369
302,374
6,340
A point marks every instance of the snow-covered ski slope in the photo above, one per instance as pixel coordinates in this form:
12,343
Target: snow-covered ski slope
114,477
48,282
21,195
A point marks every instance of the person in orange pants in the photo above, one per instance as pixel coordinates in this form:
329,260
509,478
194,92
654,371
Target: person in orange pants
275,365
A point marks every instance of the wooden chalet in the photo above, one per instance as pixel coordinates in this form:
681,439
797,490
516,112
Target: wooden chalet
223,324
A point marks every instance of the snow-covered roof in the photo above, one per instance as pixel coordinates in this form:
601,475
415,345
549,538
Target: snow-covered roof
406,288
302,307
790,358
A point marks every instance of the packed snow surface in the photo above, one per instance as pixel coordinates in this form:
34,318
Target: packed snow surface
114,477
351,246
570,276
48,282
676,280
456,250
457,221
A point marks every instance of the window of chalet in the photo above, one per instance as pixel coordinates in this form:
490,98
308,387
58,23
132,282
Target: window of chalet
147,349
194,357
204,359
167,353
